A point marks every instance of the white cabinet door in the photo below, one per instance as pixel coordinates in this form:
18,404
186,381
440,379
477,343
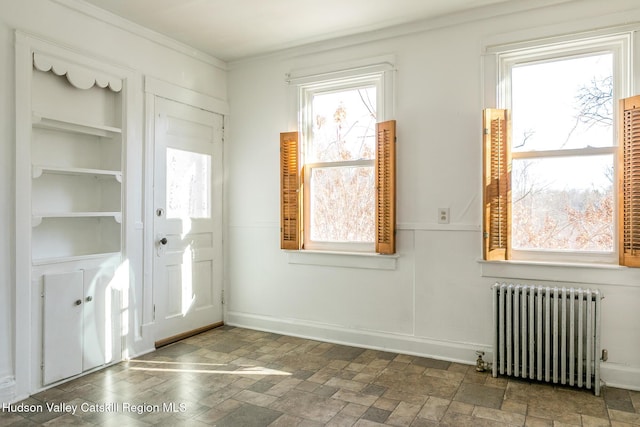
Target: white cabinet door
62,341
81,324
99,318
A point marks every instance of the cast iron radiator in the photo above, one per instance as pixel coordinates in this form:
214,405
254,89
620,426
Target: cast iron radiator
547,334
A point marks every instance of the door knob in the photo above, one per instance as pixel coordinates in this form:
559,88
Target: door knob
163,241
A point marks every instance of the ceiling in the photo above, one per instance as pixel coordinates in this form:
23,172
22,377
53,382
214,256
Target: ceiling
234,29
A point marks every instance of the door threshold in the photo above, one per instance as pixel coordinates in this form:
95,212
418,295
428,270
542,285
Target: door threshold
170,340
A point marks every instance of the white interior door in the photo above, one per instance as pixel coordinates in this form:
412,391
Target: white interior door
187,219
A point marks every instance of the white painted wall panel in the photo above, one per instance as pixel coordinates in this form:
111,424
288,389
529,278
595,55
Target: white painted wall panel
7,167
454,302
270,287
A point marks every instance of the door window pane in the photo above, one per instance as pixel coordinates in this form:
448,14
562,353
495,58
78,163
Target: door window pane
188,184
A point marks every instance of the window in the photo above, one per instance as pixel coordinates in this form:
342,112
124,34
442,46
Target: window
188,184
338,171
551,162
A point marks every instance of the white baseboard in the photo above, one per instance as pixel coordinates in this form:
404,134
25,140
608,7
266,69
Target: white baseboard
405,344
8,390
620,376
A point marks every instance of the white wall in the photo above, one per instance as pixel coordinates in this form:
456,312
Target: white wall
120,45
437,301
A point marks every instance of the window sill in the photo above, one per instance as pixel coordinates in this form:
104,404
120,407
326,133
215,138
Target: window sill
598,274
343,259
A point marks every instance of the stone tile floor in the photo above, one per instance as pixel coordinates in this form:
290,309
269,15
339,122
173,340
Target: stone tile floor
239,377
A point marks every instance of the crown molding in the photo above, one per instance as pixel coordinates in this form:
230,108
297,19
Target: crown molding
140,31
431,24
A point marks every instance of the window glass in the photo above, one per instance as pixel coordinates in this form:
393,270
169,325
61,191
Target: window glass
563,154
563,203
343,125
342,200
563,104
339,157
188,184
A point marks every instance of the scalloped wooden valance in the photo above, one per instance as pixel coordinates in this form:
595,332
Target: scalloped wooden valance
79,77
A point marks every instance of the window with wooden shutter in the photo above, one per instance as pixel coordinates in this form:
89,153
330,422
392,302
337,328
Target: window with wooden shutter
558,161
346,171
497,184
629,188
289,192
385,187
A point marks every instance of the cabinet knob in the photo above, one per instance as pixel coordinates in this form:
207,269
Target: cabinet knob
163,241
78,302
89,298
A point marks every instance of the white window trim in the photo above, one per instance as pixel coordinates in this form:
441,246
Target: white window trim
369,261
618,44
378,72
559,272
509,56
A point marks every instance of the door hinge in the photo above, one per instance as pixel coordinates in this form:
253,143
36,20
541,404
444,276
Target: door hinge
222,297
154,312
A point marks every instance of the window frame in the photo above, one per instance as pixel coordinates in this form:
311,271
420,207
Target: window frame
346,80
511,56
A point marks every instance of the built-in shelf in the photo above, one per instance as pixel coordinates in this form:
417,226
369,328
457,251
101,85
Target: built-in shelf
48,121
37,217
54,260
71,195
76,234
38,170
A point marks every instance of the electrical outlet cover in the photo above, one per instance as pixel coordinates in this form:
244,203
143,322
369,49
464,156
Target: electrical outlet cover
443,215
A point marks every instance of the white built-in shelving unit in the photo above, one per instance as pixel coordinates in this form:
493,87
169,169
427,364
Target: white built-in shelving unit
72,197
76,194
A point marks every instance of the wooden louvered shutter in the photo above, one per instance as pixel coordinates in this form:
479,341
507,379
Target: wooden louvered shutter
629,182
497,184
386,187
289,192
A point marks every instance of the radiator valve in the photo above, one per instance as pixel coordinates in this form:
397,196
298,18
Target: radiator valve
481,365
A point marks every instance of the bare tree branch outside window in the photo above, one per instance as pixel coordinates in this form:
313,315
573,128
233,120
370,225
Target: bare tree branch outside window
342,196
551,210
